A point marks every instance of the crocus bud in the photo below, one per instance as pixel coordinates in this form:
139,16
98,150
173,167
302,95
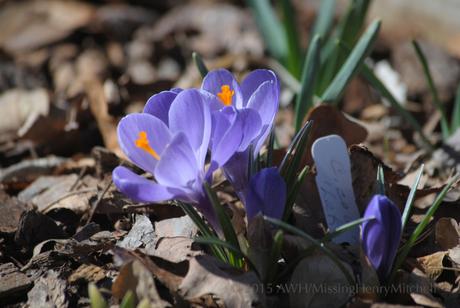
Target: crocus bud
380,236
266,194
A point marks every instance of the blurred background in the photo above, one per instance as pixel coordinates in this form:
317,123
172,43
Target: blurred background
70,69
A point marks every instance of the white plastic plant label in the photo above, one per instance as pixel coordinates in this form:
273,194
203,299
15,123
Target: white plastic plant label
334,184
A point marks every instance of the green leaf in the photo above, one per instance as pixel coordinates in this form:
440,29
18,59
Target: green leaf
344,228
95,297
293,191
271,29
294,154
434,91
346,32
410,199
226,224
314,242
382,89
310,69
421,227
275,255
145,303
294,60
325,18
200,64
128,300
380,181
352,64
203,227
217,241
270,148
290,165
354,21
455,122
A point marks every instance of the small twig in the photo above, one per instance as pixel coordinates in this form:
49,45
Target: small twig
69,194
93,210
80,176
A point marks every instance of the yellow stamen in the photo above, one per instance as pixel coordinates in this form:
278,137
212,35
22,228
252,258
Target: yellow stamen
143,143
226,95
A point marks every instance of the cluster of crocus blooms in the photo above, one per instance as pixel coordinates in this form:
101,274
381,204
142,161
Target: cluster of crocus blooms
177,129
381,235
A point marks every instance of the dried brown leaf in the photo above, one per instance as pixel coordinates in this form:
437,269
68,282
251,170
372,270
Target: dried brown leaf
31,24
207,276
447,233
11,210
432,264
328,120
135,277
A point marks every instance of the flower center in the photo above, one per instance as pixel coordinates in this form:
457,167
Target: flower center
143,143
226,95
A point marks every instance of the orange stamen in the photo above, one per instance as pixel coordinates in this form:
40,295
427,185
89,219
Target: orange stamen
226,95
143,143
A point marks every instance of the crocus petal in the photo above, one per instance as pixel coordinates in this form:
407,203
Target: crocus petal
158,137
141,189
236,171
214,81
265,101
266,194
253,80
176,90
158,105
381,236
190,114
227,134
252,125
213,101
178,166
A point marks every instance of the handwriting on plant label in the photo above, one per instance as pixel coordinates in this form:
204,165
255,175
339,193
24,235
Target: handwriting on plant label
335,185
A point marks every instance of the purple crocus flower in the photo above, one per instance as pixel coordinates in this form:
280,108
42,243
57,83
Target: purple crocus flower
266,194
169,140
258,94
381,236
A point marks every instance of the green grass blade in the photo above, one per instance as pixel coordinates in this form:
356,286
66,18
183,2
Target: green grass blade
226,224
314,242
270,148
310,69
421,227
215,241
293,190
284,165
325,18
145,303
344,228
203,227
199,63
410,199
289,167
270,28
380,181
334,91
347,32
355,22
275,255
455,122
382,89
95,297
129,300
434,91
294,58
294,155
